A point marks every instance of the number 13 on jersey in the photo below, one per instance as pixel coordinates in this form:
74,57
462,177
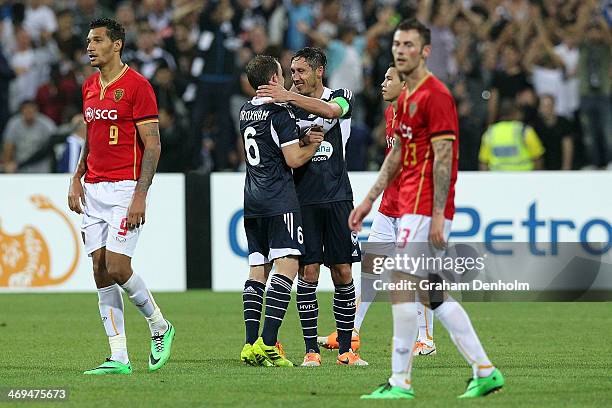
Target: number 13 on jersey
410,156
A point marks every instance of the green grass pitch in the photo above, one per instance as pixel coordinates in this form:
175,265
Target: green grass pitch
552,355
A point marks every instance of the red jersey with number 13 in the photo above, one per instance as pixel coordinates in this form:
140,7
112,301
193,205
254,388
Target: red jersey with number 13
425,115
112,113
389,205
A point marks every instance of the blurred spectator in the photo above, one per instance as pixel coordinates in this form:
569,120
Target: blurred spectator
6,75
215,81
58,98
31,66
159,17
568,104
39,20
71,149
68,41
167,91
126,17
13,19
182,48
25,134
299,12
555,132
594,73
351,13
172,159
441,61
86,11
470,131
507,81
509,144
329,19
149,56
569,101
527,102
541,61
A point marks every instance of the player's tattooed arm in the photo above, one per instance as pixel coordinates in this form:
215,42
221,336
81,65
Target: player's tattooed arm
442,166
149,134
388,171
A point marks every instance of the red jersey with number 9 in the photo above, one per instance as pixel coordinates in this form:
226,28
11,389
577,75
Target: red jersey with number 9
425,115
389,205
112,113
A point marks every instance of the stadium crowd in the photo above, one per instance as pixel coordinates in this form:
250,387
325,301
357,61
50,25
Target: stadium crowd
543,65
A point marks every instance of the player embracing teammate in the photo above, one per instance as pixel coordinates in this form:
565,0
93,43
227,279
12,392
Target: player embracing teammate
272,215
326,199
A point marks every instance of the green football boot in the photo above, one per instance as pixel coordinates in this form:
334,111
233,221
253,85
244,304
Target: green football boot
270,355
483,386
161,346
110,367
247,356
388,391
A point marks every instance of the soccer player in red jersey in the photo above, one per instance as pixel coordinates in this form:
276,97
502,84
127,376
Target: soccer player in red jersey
118,161
384,230
426,152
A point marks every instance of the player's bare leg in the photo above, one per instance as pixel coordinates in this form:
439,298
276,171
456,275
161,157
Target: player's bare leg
344,313
278,297
110,304
119,268
252,302
308,310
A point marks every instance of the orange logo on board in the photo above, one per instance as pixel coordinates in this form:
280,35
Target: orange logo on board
118,95
25,258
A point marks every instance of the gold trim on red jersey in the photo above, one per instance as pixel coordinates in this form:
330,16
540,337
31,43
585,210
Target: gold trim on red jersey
144,122
408,93
418,85
443,137
103,88
135,153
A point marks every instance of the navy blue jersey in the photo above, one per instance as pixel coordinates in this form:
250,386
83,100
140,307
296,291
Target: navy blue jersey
324,178
266,128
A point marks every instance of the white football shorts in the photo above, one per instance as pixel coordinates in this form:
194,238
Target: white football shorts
383,235
413,234
105,219
384,228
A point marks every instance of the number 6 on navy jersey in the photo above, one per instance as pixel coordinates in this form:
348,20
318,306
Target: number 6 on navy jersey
249,142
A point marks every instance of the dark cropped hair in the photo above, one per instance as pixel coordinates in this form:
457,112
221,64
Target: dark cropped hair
260,69
314,57
114,30
414,24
